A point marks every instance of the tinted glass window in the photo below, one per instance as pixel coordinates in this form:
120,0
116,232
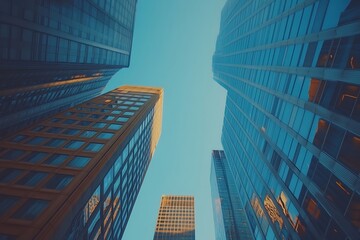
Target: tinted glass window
13,154
74,145
58,182
9,174
6,202
88,134
79,162
105,135
56,159
55,142
31,179
31,209
35,157
94,147
114,126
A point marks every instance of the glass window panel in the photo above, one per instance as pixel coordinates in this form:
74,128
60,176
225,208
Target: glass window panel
350,152
13,154
69,121
105,135
333,140
32,178
109,118
79,162
35,157
88,134
6,202
9,174
71,131
54,130
59,181
56,159
99,125
37,141
122,119
74,144
18,138
114,126
31,209
128,113
55,142
84,123
116,112
94,147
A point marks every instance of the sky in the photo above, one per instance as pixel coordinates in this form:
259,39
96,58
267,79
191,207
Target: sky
173,44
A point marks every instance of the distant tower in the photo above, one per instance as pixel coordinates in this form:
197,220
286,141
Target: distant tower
176,219
291,131
76,174
229,214
55,54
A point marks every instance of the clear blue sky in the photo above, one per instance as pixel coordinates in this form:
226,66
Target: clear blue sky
173,45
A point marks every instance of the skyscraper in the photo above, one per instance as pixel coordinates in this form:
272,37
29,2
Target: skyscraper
229,215
55,54
176,219
291,132
76,174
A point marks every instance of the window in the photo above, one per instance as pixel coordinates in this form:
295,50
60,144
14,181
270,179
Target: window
54,130
84,123
122,119
56,159
94,147
35,157
116,112
99,125
71,131
69,121
32,178
128,113
37,141
6,202
18,138
58,182
114,126
79,162
13,154
88,134
9,174
109,118
105,135
333,140
74,145
55,142
31,209
350,152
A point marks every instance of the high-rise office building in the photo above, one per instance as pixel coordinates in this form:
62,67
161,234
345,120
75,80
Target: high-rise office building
291,132
229,215
55,54
176,219
76,174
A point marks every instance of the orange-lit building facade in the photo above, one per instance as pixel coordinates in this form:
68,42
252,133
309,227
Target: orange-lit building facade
76,174
176,219
57,53
291,130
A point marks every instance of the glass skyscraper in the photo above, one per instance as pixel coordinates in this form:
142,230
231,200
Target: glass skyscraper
55,54
76,174
229,215
176,219
291,131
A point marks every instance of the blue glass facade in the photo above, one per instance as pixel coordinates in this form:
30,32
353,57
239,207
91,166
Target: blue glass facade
57,53
291,127
229,215
76,174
